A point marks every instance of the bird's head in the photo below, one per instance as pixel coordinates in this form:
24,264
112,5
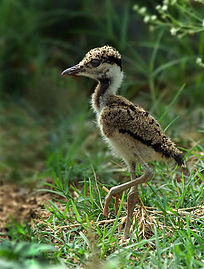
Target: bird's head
99,63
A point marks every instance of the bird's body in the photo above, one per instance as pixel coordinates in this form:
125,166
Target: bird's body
129,129
133,134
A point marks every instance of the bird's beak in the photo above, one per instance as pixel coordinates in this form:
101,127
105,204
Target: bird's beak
74,70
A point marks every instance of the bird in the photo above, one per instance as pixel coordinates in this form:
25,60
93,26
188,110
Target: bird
130,131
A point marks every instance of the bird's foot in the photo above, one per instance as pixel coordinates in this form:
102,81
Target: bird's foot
117,202
114,192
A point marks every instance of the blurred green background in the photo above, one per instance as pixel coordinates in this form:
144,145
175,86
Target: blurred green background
45,119
48,134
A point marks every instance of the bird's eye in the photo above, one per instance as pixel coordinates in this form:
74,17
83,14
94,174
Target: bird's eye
95,62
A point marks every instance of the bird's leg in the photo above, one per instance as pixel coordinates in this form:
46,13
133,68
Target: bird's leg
117,190
117,197
132,199
133,196
131,202
116,205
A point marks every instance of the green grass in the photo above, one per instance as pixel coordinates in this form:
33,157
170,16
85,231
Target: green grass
80,165
177,238
28,255
48,131
81,235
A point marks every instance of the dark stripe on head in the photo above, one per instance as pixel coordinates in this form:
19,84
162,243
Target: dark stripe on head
112,59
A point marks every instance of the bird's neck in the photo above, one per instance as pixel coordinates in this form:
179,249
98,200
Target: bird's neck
106,86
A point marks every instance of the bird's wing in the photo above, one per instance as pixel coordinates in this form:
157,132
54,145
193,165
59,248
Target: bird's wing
127,118
132,120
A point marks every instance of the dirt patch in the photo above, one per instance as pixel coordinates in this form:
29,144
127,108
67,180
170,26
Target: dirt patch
19,203
23,204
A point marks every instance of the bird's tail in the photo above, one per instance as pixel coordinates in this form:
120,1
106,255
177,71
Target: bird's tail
179,158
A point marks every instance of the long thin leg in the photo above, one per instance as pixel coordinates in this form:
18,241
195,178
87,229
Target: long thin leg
132,167
131,202
117,190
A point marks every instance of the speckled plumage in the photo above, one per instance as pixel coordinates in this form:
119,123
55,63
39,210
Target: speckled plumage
123,118
105,54
131,132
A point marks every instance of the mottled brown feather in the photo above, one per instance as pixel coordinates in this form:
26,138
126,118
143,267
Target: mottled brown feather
120,115
131,132
128,128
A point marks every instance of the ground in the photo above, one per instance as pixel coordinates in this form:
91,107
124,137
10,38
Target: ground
65,209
